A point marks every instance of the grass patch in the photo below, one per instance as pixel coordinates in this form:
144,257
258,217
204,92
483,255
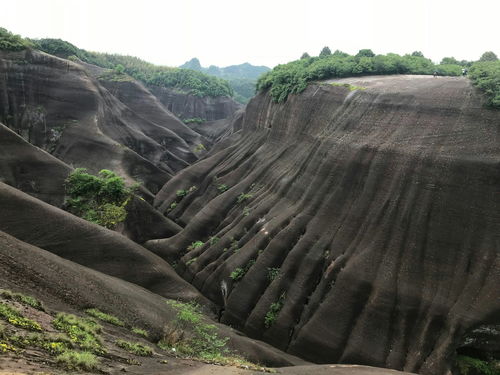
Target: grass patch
349,86
140,332
82,332
73,360
105,317
54,344
135,348
14,317
22,298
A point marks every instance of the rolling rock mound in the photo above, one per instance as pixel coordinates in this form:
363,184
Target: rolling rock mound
61,107
356,223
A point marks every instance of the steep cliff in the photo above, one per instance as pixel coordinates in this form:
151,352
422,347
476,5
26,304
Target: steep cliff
186,106
62,107
356,223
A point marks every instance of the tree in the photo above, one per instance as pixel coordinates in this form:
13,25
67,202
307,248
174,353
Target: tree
305,55
449,60
488,56
365,53
339,53
417,53
325,52
120,69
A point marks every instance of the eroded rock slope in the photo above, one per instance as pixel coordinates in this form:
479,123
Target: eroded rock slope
85,120
356,223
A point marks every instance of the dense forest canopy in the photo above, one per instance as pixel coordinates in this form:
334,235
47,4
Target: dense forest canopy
294,77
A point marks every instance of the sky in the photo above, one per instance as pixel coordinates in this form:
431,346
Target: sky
262,32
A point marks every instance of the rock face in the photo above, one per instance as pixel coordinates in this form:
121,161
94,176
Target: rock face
61,107
349,225
31,169
191,106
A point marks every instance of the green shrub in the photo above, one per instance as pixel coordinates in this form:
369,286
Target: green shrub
243,197
105,317
99,199
274,311
204,342
56,47
486,76
237,274
199,148
194,120
195,245
273,273
474,366
135,348
74,360
12,42
222,188
14,317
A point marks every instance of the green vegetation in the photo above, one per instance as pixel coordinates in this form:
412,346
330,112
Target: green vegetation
105,317
488,56
204,341
52,343
74,360
473,366
273,273
213,240
24,299
12,42
99,199
239,272
195,245
82,332
140,332
349,86
194,120
182,193
189,81
293,78
222,188
242,78
243,197
486,76
135,348
14,317
274,311
199,148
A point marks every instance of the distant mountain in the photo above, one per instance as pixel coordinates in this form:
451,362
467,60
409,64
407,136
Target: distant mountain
242,78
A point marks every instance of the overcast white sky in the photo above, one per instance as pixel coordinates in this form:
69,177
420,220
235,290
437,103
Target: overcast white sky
262,32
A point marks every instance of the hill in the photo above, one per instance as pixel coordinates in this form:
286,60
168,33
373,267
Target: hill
242,78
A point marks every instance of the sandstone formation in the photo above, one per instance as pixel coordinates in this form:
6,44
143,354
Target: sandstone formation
191,106
355,223
31,169
61,107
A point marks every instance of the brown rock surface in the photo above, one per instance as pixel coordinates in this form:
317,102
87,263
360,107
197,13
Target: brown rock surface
371,216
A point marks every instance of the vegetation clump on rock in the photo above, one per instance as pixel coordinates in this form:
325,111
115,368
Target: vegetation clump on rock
12,42
99,199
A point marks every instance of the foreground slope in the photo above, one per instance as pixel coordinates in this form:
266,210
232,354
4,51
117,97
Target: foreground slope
355,223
